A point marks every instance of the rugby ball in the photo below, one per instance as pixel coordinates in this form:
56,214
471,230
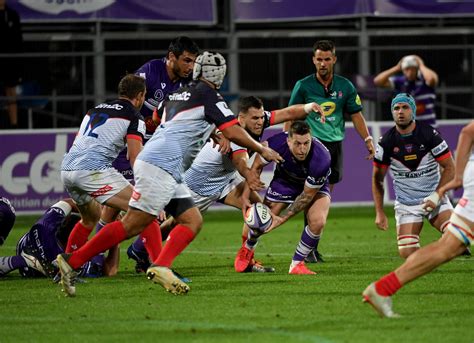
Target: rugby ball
258,217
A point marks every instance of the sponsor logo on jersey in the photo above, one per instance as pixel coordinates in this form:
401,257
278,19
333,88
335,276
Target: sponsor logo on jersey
422,147
339,95
410,157
440,148
184,96
163,85
396,149
101,191
112,107
358,101
159,95
224,108
328,108
409,148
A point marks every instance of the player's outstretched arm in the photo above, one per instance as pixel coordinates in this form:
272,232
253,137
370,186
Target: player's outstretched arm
296,112
237,134
301,202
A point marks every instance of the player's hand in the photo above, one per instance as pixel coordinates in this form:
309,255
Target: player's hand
455,183
271,155
381,221
253,179
431,202
245,205
222,142
162,216
276,222
313,107
370,148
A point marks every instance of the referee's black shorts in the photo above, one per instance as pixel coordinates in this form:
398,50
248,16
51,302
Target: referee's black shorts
337,155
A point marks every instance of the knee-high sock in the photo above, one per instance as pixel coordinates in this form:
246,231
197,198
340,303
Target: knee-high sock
151,238
178,240
78,237
110,235
307,243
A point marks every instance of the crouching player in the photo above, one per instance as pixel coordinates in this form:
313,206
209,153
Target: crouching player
458,236
299,183
38,248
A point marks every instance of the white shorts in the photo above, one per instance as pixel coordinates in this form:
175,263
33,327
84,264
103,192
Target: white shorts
465,206
203,202
154,188
405,214
85,185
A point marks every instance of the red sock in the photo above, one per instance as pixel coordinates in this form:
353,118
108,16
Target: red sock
388,285
110,235
178,240
78,237
151,238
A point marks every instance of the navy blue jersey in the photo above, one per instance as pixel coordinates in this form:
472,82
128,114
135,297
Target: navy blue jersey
413,161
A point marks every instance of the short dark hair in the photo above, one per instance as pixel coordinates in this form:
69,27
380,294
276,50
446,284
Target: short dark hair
130,85
181,44
299,127
325,45
247,102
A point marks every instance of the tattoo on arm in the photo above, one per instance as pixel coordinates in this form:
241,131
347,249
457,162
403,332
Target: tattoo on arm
301,202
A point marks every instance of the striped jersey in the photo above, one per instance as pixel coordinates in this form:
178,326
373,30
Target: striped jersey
212,171
413,161
423,94
188,117
103,134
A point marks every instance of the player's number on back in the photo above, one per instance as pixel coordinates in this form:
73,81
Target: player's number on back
96,120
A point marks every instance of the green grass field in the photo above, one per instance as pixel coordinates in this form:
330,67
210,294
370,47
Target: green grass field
224,306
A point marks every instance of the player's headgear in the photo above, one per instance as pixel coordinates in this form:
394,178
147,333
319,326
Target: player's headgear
210,66
406,98
7,218
409,61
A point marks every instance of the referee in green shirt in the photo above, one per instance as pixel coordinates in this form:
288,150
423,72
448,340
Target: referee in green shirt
337,96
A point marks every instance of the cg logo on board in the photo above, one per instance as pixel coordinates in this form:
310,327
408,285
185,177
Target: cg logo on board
58,6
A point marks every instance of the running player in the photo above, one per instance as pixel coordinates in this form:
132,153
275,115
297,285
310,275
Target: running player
87,171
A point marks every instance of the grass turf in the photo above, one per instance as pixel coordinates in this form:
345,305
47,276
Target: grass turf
224,306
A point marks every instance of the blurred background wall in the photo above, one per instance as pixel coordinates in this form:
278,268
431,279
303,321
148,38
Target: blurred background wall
75,51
